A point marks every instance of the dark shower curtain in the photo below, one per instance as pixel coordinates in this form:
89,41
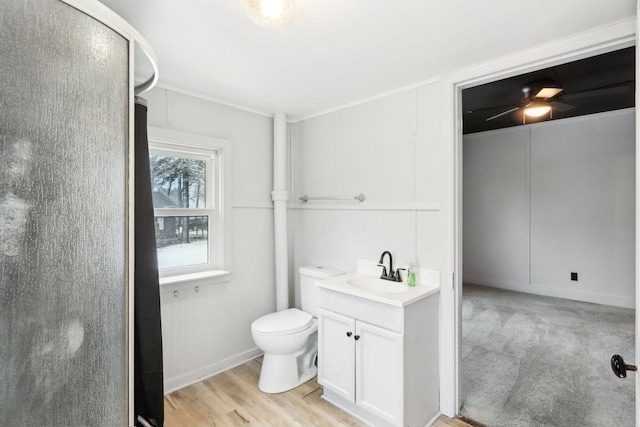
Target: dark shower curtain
149,389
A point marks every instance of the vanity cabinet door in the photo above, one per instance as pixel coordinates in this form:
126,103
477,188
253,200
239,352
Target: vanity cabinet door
379,372
336,353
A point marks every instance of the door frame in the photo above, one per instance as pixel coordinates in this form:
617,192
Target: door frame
601,40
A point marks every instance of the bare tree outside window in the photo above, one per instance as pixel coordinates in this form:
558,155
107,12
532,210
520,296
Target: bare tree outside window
180,183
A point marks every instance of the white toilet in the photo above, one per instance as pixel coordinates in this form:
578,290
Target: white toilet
289,338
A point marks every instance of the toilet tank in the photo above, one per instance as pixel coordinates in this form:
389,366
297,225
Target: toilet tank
309,293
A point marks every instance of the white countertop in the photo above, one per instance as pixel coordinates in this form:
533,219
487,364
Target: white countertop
398,299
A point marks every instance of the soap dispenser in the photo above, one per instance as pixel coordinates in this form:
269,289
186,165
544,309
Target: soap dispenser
411,275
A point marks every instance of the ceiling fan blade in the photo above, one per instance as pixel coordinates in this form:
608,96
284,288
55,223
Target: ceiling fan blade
496,108
503,113
596,92
561,106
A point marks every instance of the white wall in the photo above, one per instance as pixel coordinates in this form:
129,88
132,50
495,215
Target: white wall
388,149
210,330
496,207
544,200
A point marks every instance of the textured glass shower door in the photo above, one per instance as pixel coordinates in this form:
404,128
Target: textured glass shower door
63,160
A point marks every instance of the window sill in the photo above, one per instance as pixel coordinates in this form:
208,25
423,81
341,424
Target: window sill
204,277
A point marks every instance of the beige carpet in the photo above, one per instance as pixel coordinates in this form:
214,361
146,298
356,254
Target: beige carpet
529,360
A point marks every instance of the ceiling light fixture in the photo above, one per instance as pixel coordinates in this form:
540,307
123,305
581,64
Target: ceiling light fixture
548,92
269,13
537,109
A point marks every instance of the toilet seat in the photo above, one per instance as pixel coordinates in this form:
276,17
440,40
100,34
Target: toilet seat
283,322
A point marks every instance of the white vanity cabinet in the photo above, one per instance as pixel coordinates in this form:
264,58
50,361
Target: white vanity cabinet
337,350
379,367
377,361
352,354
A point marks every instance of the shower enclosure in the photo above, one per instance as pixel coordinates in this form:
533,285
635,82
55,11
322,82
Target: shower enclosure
66,96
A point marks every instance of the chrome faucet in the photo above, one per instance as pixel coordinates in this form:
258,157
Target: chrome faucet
394,276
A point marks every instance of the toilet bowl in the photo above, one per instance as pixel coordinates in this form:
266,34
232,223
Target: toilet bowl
289,338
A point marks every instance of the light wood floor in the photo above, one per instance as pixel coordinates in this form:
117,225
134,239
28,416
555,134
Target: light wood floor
233,399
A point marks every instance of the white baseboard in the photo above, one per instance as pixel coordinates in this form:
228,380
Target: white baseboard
572,294
347,409
433,420
197,375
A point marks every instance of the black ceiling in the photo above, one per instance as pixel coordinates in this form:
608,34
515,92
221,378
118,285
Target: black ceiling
611,70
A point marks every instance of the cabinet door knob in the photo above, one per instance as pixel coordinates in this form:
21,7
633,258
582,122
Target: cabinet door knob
349,334
175,294
356,337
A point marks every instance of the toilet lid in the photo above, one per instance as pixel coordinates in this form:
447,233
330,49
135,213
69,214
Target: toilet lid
283,322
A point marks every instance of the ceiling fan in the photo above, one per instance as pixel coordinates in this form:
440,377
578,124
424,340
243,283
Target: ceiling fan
541,98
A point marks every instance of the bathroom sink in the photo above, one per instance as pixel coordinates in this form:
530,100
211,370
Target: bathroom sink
366,283
377,285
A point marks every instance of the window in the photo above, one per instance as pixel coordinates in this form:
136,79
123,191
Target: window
190,191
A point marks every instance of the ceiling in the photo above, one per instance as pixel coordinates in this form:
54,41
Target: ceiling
592,85
334,52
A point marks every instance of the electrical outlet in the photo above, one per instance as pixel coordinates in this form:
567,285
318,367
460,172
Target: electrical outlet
574,276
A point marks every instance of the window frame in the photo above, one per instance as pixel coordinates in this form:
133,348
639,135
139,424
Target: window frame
217,154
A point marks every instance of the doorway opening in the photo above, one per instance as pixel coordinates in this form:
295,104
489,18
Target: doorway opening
549,245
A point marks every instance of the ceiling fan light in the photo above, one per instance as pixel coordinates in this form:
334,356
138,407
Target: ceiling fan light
537,110
548,92
269,13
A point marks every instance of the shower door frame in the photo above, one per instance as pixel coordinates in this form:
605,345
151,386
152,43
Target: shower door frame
110,19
